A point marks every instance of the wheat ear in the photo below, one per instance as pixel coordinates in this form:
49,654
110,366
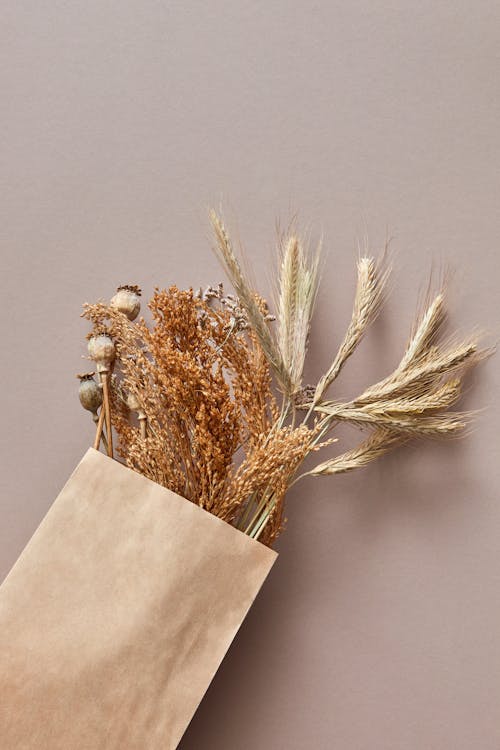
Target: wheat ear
378,443
298,282
367,302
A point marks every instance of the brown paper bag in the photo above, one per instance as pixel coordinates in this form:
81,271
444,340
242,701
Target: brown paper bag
118,613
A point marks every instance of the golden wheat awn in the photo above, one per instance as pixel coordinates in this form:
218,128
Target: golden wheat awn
192,400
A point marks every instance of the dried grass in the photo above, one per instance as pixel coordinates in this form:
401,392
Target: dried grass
206,391
200,379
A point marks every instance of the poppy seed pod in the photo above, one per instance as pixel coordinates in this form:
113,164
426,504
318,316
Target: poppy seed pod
134,405
127,301
133,402
89,393
102,350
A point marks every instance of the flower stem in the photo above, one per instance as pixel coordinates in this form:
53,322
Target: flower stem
100,424
107,410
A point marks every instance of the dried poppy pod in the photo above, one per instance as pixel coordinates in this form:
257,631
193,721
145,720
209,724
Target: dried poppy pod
101,349
127,300
89,393
133,404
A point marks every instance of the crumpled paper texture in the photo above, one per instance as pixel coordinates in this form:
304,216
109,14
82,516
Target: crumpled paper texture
118,613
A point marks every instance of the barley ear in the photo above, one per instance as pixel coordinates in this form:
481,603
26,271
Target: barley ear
371,284
298,282
378,443
425,331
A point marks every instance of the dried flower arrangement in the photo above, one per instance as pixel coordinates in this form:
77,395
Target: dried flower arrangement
209,400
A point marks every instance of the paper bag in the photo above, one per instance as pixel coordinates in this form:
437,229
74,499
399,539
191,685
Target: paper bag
118,613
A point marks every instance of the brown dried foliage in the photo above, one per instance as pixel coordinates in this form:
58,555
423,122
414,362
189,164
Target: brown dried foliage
205,388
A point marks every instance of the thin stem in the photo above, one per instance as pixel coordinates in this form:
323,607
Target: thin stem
243,519
104,442
230,331
312,407
300,476
105,392
260,506
259,527
265,508
285,406
98,434
262,526
95,417
329,424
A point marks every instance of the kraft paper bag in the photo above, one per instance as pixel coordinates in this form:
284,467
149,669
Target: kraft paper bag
118,613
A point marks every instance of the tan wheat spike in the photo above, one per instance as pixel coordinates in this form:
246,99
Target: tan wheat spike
287,301
298,279
413,415
367,302
444,396
425,331
446,423
378,443
418,378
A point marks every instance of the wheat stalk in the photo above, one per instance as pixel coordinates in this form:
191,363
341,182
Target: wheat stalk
298,281
367,302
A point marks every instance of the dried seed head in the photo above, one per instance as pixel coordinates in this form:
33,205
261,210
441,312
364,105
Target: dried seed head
304,397
89,392
127,300
102,350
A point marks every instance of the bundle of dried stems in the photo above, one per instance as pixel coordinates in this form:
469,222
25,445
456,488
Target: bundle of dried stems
192,400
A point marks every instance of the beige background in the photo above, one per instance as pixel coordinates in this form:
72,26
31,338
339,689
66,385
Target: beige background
379,627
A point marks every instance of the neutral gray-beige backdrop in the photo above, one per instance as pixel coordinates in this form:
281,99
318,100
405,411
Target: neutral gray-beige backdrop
379,627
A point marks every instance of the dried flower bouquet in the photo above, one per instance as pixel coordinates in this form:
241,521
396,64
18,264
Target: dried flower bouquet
138,592
209,400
